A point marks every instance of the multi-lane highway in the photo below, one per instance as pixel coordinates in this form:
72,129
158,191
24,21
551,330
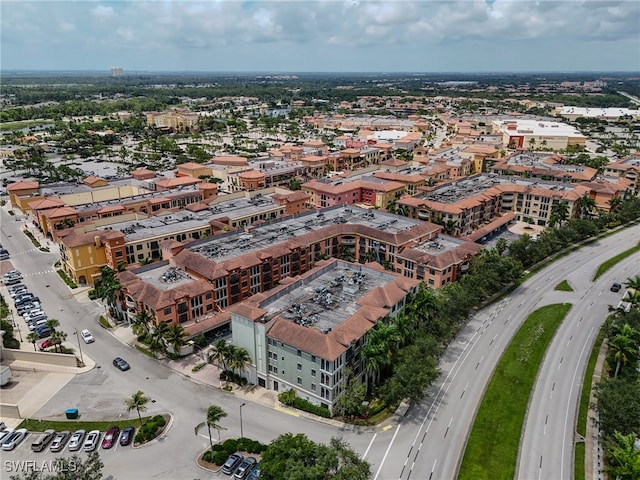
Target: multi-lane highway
430,442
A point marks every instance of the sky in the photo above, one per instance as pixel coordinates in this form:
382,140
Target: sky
321,35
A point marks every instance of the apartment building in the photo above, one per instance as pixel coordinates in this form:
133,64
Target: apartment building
306,333
370,190
243,263
542,165
628,168
175,120
471,203
130,239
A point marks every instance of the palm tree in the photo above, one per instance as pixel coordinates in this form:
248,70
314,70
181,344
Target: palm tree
214,415
423,304
239,359
219,354
586,205
57,338
559,212
633,283
52,323
33,337
623,458
392,205
176,337
623,349
380,347
157,343
142,323
450,227
404,325
137,402
614,204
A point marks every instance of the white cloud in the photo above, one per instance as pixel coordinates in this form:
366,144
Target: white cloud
102,11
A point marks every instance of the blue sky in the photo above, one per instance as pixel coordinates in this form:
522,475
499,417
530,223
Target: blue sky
315,36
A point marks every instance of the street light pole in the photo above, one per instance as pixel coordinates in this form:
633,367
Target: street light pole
241,432
79,347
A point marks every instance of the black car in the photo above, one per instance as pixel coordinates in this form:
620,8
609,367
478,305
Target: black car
127,436
232,463
616,287
121,364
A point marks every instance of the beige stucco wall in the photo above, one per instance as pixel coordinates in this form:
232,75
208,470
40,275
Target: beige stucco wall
46,358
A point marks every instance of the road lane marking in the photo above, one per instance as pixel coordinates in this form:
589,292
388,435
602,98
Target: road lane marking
387,452
464,390
370,443
386,427
566,416
287,411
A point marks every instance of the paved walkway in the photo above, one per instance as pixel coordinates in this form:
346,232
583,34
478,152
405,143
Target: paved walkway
594,455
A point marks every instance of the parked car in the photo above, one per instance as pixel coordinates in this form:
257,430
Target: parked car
234,460
20,289
43,440
43,331
15,287
121,364
127,435
111,437
5,433
47,343
76,440
39,321
28,308
245,467
30,316
60,440
91,442
254,474
25,298
13,440
86,336
616,287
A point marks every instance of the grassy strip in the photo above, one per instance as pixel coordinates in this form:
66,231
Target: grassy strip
67,279
579,459
33,425
564,286
140,348
581,426
492,449
614,260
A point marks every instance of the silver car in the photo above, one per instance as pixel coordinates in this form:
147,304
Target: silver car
76,441
12,441
59,441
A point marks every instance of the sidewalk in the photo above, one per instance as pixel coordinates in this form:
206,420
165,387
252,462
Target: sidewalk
593,452
209,374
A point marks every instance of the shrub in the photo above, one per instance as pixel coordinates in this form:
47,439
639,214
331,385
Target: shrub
200,340
219,457
104,323
67,279
198,367
159,421
92,294
289,398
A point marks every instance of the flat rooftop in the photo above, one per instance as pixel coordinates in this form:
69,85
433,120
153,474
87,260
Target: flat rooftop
185,219
230,245
68,188
537,160
165,277
439,245
470,186
328,297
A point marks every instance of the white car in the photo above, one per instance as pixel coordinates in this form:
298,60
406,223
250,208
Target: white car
91,442
86,336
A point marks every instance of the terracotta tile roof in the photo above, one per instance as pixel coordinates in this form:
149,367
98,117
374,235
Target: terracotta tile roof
22,185
91,179
46,203
75,239
191,166
156,298
59,212
112,208
177,181
394,162
251,174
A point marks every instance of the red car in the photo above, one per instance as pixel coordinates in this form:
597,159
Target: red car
46,344
110,437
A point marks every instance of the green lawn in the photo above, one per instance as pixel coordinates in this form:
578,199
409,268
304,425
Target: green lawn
492,448
614,260
564,286
579,470
33,425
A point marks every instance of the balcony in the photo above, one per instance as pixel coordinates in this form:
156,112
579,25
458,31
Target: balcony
130,303
348,241
423,215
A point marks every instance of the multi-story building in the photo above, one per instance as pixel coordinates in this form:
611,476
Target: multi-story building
137,239
175,120
371,191
468,204
254,260
629,168
542,165
308,332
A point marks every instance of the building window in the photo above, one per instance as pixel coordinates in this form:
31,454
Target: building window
299,381
299,367
118,254
299,353
167,311
313,387
313,373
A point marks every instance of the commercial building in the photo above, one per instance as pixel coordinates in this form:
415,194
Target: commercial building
529,134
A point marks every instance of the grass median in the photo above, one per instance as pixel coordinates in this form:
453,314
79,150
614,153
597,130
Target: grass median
615,260
492,449
33,425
